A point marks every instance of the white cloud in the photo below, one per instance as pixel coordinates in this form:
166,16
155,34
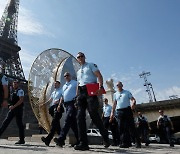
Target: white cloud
2,6
27,58
165,93
27,22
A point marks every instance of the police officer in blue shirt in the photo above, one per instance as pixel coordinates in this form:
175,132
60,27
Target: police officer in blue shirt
106,113
3,86
15,110
55,124
125,118
107,124
88,73
68,99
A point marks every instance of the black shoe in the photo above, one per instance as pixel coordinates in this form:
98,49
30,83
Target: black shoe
146,144
171,145
138,145
81,147
124,146
114,144
20,142
45,141
106,143
58,142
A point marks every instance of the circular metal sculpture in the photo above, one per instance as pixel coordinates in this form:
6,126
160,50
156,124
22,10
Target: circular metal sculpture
48,67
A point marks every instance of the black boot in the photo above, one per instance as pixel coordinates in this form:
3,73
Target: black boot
81,147
20,142
47,142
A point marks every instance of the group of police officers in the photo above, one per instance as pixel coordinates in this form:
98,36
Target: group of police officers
74,97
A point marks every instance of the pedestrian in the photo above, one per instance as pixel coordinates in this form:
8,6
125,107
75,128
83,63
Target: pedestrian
15,110
68,100
88,73
56,116
143,128
124,103
3,86
112,125
165,126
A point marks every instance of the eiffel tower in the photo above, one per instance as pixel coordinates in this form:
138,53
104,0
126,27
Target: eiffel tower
9,49
9,52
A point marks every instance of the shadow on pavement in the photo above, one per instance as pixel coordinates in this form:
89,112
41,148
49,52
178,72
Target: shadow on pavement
110,150
23,147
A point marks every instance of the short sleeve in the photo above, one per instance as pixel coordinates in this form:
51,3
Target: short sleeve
130,95
4,80
168,118
114,97
20,93
145,119
93,67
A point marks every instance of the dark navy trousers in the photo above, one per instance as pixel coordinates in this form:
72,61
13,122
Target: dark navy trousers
126,126
55,124
18,113
90,103
70,121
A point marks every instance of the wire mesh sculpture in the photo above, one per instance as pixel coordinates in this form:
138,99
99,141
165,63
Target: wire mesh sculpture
48,67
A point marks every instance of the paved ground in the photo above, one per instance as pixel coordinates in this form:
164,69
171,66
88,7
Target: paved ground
8,147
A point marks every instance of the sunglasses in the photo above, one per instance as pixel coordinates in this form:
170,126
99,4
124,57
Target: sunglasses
81,56
66,75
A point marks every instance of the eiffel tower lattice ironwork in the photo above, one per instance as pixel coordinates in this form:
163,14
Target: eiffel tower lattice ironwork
9,49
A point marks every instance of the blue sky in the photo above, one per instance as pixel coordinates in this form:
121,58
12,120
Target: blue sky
123,37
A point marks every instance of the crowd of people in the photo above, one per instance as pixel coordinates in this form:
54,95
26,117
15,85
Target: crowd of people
74,99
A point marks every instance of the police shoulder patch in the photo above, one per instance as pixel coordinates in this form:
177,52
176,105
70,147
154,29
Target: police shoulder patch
95,65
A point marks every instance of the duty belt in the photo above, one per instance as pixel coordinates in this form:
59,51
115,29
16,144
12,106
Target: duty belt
69,103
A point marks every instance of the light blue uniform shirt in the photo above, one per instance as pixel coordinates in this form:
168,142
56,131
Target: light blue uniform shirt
69,90
122,98
86,74
4,80
56,95
107,110
20,93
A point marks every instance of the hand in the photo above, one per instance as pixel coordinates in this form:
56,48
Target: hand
99,92
172,128
5,103
58,108
56,102
11,107
133,106
111,118
149,128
